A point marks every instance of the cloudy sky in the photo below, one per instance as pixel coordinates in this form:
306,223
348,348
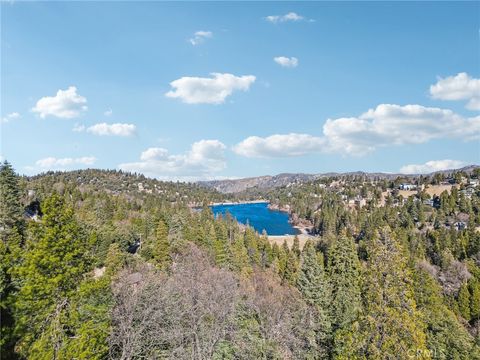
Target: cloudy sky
216,90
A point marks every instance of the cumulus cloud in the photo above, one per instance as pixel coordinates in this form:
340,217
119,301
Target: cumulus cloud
66,104
385,125
431,166
117,129
289,17
104,129
390,124
286,61
458,87
10,117
279,145
203,160
108,112
53,163
200,36
214,90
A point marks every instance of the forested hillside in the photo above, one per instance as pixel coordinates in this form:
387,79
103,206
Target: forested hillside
104,264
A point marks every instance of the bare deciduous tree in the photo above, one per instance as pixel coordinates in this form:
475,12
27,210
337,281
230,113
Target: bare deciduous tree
182,316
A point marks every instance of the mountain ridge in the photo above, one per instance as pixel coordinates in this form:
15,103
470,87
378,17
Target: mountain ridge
271,181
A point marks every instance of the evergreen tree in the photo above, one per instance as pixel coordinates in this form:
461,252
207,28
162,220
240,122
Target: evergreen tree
475,301
10,207
464,302
161,248
11,239
345,279
344,276
10,253
240,259
296,246
313,285
446,337
252,245
291,266
392,326
53,266
221,250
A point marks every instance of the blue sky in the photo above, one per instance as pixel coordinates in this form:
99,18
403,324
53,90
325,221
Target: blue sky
216,90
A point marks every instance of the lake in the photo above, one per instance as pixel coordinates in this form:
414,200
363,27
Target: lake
259,216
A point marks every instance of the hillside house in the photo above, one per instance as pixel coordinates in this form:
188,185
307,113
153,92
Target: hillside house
428,202
460,225
406,186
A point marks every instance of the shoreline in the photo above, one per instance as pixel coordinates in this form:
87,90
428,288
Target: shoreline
226,203
304,229
280,239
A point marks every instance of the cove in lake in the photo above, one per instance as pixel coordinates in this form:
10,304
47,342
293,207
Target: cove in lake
259,216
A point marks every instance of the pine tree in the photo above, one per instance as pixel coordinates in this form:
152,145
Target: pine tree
240,259
266,251
316,291
10,207
252,245
344,276
11,239
392,326
345,280
312,281
291,268
475,301
53,265
464,302
446,337
10,254
296,246
161,247
221,250
115,260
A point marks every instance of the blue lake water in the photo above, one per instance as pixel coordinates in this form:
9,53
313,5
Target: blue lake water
259,216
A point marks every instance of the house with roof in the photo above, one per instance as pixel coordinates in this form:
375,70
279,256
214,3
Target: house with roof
406,186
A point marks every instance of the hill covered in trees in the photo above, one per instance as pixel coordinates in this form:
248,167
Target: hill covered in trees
269,182
103,264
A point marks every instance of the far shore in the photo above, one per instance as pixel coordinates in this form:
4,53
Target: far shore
239,202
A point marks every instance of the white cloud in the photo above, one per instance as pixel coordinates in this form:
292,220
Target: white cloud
289,17
390,124
203,160
53,163
431,166
65,104
108,112
286,61
458,87
10,117
473,104
386,125
197,90
279,145
104,129
200,36
117,129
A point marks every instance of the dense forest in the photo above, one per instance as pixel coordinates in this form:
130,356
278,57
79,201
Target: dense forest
110,265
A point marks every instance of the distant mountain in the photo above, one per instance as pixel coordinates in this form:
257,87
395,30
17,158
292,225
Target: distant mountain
268,181
262,182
